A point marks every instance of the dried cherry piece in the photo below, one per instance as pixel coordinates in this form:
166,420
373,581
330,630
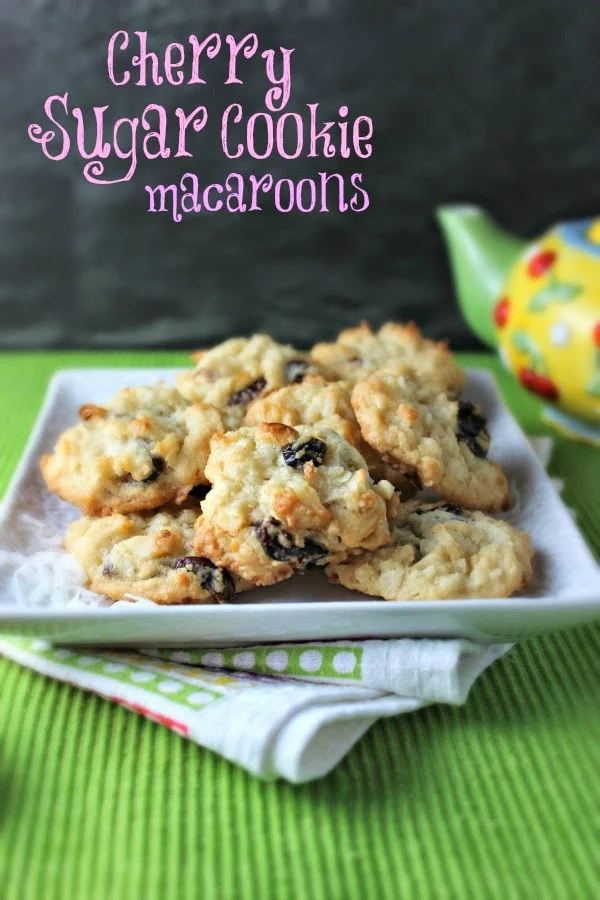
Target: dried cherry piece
279,544
297,453
472,429
245,395
216,581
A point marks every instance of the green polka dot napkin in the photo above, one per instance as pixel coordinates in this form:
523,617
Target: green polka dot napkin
290,711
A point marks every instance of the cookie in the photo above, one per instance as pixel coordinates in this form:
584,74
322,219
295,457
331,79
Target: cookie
444,442
324,404
286,498
358,352
237,371
441,552
148,446
313,402
149,555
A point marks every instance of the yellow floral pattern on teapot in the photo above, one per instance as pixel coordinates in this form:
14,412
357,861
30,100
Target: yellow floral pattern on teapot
548,318
539,304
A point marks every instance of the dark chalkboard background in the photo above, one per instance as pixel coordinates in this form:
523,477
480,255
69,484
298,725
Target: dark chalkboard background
493,101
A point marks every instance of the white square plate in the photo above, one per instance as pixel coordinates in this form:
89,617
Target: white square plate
566,588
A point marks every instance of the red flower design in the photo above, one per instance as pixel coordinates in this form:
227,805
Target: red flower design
596,334
538,384
501,311
541,262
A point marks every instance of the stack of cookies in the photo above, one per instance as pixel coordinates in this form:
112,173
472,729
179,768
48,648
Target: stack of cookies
265,461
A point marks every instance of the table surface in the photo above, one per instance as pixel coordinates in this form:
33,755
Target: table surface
499,798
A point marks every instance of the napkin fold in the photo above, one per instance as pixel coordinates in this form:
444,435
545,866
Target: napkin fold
287,711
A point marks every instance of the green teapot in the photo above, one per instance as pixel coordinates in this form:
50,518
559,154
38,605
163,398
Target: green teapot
539,304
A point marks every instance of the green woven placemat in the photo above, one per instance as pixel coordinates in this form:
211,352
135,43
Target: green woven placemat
499,798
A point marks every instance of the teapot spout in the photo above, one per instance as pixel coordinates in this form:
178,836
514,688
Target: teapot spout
481,256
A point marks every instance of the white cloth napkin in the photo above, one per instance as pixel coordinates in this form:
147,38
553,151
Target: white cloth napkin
297,721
